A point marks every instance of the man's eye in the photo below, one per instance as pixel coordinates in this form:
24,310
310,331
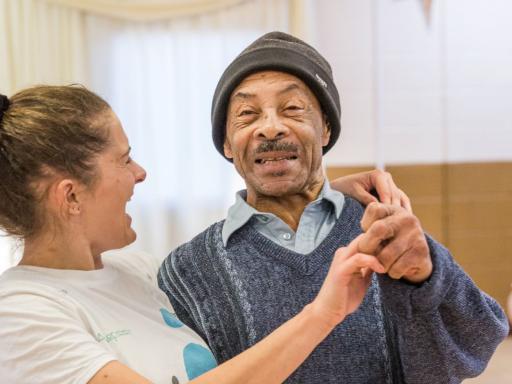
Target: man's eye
293,108
246,112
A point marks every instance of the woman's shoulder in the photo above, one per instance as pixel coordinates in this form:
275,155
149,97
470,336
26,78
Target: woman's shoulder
23,280
24,292
137,263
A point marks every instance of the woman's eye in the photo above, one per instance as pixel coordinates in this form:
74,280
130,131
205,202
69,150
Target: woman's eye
293,108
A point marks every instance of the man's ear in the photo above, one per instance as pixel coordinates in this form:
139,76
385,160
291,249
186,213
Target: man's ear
326,131
227,149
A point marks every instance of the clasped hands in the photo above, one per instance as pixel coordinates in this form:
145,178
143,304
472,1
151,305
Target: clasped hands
392,243
394,236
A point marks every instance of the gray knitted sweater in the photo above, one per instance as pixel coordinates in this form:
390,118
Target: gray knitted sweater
440,332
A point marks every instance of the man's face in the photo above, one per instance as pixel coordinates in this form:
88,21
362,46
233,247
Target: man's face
275,131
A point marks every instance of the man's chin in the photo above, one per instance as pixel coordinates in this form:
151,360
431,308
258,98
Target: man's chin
279,188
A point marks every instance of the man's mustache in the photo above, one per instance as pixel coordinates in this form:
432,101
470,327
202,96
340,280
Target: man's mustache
276,146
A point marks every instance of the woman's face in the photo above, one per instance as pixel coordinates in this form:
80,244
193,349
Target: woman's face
107,224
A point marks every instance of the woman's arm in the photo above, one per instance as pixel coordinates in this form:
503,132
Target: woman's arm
275,357
115,372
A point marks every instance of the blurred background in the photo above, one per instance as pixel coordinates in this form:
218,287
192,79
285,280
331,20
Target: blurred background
425,90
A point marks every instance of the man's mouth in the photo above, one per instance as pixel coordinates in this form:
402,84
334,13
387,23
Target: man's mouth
264,160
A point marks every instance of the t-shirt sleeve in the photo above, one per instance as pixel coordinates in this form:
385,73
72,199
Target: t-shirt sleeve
44,341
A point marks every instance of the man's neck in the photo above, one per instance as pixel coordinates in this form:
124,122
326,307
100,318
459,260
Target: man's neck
288,207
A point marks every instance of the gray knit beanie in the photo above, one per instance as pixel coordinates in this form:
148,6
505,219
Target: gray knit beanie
278,51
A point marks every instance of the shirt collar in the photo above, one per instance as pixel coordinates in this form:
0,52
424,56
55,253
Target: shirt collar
241,212
336,198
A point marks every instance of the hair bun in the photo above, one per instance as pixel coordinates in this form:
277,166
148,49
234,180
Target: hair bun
4,104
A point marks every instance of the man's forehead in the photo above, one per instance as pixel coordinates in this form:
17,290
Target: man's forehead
282,82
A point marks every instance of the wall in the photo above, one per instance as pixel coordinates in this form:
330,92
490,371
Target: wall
466,206
415,91
429,99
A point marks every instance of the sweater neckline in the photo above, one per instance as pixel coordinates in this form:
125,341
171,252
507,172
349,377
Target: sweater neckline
308,264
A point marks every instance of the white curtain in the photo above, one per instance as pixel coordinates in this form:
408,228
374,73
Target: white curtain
147,10
159,77
39,43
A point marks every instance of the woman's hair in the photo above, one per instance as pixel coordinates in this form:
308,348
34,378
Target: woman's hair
44,131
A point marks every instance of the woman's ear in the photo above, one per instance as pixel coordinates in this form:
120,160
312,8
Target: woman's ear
67,195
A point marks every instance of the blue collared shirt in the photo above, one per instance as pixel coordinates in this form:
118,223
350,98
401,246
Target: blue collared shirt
316,221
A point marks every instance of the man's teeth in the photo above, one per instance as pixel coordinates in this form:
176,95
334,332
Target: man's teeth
263,161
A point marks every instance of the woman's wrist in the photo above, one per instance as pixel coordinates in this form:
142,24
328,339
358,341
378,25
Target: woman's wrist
325,320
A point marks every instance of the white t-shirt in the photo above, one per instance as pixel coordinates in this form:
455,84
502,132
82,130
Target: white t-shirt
62,326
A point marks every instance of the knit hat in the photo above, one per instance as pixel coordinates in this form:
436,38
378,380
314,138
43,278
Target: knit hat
278,51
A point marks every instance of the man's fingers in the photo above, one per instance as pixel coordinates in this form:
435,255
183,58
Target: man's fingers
399,268
407,258
376,211
406,267
389,252
377,236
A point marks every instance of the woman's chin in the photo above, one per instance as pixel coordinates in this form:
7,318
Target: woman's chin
131,236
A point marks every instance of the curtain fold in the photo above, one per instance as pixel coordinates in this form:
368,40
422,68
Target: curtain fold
147,10
40,43
159,78
301,19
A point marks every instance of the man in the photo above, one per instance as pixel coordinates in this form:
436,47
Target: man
275,112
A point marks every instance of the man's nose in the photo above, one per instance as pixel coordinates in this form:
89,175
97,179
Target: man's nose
271,127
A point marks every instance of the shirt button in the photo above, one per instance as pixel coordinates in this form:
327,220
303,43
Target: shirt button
287,236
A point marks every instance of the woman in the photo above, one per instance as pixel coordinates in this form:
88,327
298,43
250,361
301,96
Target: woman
69,315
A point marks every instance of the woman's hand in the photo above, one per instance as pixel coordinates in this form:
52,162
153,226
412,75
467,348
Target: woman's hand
346,283
361,185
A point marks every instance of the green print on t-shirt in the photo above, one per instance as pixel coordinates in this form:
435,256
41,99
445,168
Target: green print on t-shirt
112,336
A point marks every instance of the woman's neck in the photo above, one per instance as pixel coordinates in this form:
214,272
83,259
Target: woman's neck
60,252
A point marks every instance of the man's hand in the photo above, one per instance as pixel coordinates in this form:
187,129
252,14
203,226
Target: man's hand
360,186
396,238
346,283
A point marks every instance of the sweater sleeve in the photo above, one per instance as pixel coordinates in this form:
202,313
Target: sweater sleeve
447,329
172,284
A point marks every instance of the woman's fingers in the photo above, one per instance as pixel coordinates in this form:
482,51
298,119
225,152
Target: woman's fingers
405,201
352,248
359,261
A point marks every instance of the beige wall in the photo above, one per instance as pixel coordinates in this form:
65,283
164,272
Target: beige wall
468,207
418,92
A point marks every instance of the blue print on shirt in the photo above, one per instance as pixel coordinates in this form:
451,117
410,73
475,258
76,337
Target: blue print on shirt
170,319
198,360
